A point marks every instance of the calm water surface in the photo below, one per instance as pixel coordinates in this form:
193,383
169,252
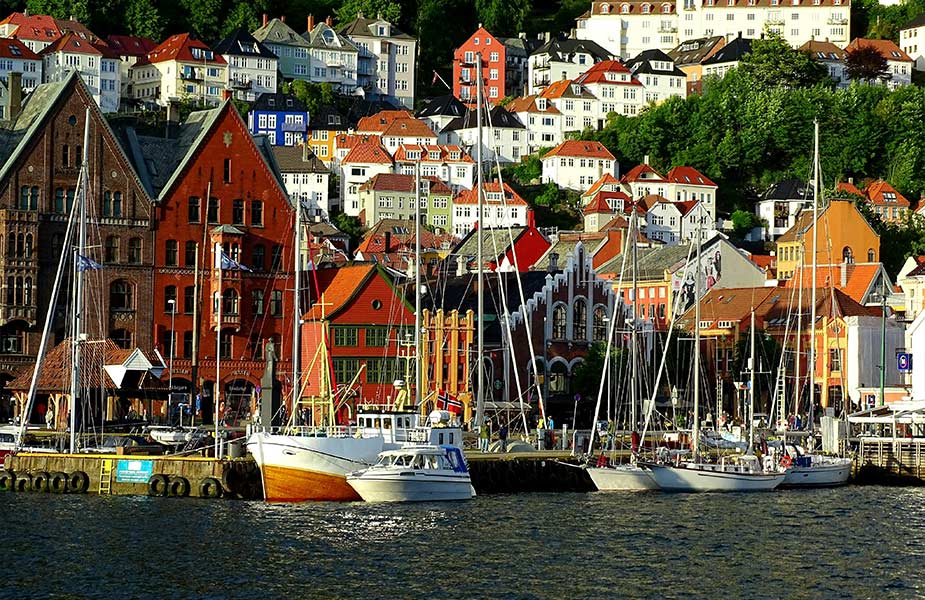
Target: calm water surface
856,542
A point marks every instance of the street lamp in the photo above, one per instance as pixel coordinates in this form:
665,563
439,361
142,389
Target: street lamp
173,340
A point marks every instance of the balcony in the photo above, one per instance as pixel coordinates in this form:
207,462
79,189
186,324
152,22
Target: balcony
667,28
837,21
241,85
229,321
190,75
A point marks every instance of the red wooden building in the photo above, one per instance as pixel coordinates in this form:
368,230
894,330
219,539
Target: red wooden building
494,57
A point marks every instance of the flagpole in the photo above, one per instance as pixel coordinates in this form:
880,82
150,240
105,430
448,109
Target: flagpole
218,340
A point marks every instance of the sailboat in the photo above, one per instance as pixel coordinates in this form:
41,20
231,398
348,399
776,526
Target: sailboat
311,461
744,473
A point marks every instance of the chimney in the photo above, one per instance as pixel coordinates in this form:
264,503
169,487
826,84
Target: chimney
359,14
311,23
645,159
226,94
844,275
388,240
553,262
14,101
546,36
531,219
282,18
460,266
851,180
328,21
264,19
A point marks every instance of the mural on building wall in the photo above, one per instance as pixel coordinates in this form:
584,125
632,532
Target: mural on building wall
683,284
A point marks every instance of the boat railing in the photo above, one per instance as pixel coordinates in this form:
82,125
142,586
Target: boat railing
341,431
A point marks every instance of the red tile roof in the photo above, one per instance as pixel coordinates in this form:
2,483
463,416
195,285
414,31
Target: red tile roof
70,43
528,104
397,182
860,276
368,153
688,176
374,239
42,28
13,48
605,179
875,194
346,140
556,89
887,48
179,47
338,286
380,121
598,74
408,128
598,206
849,188
581,149
401,153
471,196
635,174
130,45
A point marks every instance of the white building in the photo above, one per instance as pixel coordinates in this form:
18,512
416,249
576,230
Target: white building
252,67
306,179
130,49
912,41
627,28
687,183
507,210
449,164
542,119
580,108
504,137
560,59
898,63
911,279
362,162
676,222
332,58
831,57
615,86
386,60
780,205
659,76
181,67
577,164
16,57
97,64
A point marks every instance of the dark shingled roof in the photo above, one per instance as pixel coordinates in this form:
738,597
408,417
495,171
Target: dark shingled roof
278,103
560,49
241,43
789,189
642,63
447,106
500,117
731,52
298,159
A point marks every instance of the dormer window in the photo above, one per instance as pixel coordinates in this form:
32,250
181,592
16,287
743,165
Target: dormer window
433,155
605,9
646,9
731,3
666,8
541,103
455,155
624,8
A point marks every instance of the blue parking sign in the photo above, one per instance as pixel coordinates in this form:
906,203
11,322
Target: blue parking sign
904,361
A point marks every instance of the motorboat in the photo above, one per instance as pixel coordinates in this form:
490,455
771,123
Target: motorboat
419,473
730,474
176,436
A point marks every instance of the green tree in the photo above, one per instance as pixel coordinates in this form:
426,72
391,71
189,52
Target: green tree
202,17
743,222
586,378
61,9
244,15
866,63
503,17
388,9
351,226
143,19
772,62
314,95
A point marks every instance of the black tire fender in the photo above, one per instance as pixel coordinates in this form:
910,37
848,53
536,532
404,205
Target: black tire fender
57,482
40,482
179,487
78,482
210,487
158,485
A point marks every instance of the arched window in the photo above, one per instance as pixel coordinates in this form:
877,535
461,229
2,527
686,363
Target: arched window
559,320
646,9
170,299
112,249
120,295
558,378
27,292
605,8
624,8
20,246
134,251
600,324
847,255
19,291
11,246
579,318
122,338
871,255
107,204
230,302
28,248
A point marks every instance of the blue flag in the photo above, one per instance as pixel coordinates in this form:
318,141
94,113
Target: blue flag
87,264
230,263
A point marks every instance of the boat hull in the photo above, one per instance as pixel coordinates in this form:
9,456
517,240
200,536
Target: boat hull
299,469
832,473
703,478
412,486
621,478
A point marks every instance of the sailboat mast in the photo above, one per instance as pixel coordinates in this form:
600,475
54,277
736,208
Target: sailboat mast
480,224
634,397
297,308
811,368
418,380
695,432
217,394
79,288
751,387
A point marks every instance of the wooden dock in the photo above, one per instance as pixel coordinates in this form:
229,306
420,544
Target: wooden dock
899,461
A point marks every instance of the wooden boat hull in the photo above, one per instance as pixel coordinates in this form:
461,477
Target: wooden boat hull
299,468
833,472
700,478
622,478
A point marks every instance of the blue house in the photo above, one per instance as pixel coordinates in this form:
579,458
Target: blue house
283,118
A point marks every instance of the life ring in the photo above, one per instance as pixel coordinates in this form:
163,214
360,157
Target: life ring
786,461
23,482
7,479
210,487
57,482
78,482
40,482
158,485
179,487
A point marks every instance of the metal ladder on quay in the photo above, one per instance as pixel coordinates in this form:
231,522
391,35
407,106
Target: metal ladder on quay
105,477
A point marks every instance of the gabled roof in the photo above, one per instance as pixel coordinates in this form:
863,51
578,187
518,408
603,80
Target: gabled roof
381,121
298,159
848,187
443,106
131,45
731,52
269,101
326,37
859,278
887,48
563,49
497,116
368,153
338,287
408,128
637,172
401,183
402,236
512,198
15,49
789,189
41,28
598,206
823,50
528,104
362,26
277,32
70,43
581,149
597,74
688,176
695,51
882,193
642,63
180,47
605,179
241,43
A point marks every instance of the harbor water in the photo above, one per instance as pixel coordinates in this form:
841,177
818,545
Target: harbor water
854,542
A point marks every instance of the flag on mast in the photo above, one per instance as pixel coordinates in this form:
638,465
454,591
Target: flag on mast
229,263
87,264
447,402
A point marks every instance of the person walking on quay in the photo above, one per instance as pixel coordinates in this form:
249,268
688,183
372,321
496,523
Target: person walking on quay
483,437
540,433
502,436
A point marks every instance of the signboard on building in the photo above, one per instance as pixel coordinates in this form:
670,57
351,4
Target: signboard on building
134,471
904,362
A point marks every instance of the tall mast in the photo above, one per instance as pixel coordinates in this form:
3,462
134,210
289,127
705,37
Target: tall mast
811,368
696,429
480,224
216,392
634,398
418,383
297,309
751,387
81,251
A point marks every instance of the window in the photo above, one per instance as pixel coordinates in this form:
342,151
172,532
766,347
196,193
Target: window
237,212
230,302
871,255
120,295
189,299
345,336
835,359
276,303
134,251
599,332
276,259
225,347
847,255
258,258
257,213
112,249
65,156
193,215
579,318
213,210
59,200
170,257
257,302
376,336
187,344
189,254
122,338
170,298
559,322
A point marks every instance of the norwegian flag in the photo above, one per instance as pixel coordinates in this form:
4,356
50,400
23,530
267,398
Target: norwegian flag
447,402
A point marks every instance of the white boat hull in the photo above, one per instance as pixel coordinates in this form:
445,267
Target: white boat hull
695,477
622,478
298,468
828,472
412,486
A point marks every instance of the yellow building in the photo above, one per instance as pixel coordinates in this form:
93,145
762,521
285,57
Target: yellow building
843,236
